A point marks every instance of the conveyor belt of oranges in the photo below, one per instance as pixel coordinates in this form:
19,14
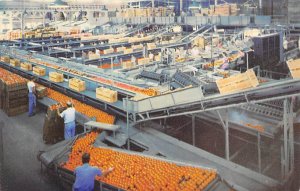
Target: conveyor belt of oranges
11,79
133,172
127,87
82,108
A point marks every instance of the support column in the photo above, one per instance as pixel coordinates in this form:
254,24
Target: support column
259,152
225,126
288,139
193,130
227,141
127,124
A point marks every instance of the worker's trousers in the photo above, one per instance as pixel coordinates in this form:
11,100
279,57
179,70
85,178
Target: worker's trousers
32,103
69,130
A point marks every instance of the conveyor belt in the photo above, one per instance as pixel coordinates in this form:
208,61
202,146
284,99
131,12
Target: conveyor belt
146,109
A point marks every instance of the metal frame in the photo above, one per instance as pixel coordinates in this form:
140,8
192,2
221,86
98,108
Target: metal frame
287,157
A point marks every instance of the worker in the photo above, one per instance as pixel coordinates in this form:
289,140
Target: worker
133,60
85,175
151,56
69,120
195,51
31,97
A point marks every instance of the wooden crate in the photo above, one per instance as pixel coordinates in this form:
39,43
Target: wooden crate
40,71
128,51
137,47
93,56
6,59
151,46
56,77
77,84
108,51
26,66
41,91
15,62
294,66
16,111
120,49
127,65
143,61
106,95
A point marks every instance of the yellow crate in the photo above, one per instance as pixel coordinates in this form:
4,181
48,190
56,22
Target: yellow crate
151,46
106,95
40,71
108,51
128,51
15,62
26,66
56,77
77,84
6,59
127,65
143,61
136,47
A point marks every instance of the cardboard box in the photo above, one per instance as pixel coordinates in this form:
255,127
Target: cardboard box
40,71
77,84
56,77
106,95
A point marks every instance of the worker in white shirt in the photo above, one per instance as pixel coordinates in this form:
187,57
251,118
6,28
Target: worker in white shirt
151,56
69,120
133,60
31,97
195,51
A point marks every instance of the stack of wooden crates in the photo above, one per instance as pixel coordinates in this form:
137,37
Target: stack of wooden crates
13,96
53,130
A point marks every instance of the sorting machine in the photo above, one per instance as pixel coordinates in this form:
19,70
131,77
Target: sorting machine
202,97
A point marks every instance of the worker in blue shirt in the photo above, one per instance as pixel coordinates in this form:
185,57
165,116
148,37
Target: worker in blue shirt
85,175
69,120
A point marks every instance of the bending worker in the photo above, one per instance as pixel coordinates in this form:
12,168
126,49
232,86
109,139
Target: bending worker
85,175
31,97
69,119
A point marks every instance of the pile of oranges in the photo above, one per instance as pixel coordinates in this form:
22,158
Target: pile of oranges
81,107
133,172
257,127
108,66
11,79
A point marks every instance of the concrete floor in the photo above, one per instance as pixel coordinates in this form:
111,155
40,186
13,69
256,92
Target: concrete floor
22,140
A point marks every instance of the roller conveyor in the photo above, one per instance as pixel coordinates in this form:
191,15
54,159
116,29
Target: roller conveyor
143,111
